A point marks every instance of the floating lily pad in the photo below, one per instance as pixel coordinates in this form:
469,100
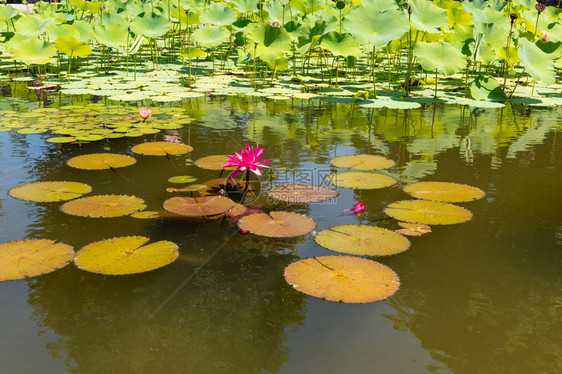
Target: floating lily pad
161,148
28,258
302,193
198,206
182,179
49,191
428,212
360,180
104,206
100,161
413,229
277,224
444,191
345,279
362,240
62,139
125,255
363,162
214,162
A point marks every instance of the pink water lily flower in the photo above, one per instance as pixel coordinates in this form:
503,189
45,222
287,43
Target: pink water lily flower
357,209
247,159
145,113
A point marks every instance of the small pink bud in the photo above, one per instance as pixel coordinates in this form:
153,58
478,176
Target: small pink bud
145,113
358,208
243,232
544,38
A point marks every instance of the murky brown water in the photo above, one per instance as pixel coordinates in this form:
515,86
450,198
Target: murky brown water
479,297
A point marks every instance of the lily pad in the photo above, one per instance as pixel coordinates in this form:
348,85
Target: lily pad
363,162
345,279
428,212
362,240
360,180
182,179
277,224
125,255
213,162
104,206
190,188
444,191
28,258
49,191
161,149
146,214
302,193
101,161
198,206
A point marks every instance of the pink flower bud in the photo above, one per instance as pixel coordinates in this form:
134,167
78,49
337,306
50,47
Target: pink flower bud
543,38
243,232
358,208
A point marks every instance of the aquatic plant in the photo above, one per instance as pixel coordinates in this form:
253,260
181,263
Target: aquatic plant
248,159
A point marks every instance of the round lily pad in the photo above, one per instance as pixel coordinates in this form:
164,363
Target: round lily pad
362,240
49,191
104,206
146,214
161,148
198,206
428,212
413,229
360,180
100,161
190,188
277,224
302,193
125,255
182,179
28,258
345,279
444,191
213,162
61,139
362,162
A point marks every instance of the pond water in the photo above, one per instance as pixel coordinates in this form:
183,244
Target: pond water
478,297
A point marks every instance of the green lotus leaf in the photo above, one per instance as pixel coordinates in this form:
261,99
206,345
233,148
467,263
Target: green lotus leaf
192,52
271,42
150,25
537,63
218,14
380,5
85,29
114,36
428,17
367,25
340,44
441,56
7,12
31,51
245,6
487,88
275,12
55,31
210,36
32,24
72,47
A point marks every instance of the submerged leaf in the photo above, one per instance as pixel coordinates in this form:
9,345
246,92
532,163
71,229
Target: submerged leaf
302,193
413,229
428,212
125,255
277,224
49,191
362,240
104,206
28,258
345,279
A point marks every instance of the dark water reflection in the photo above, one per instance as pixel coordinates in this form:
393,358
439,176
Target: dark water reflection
481,297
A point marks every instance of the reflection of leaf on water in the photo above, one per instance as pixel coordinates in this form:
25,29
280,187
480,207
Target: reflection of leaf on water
531,136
